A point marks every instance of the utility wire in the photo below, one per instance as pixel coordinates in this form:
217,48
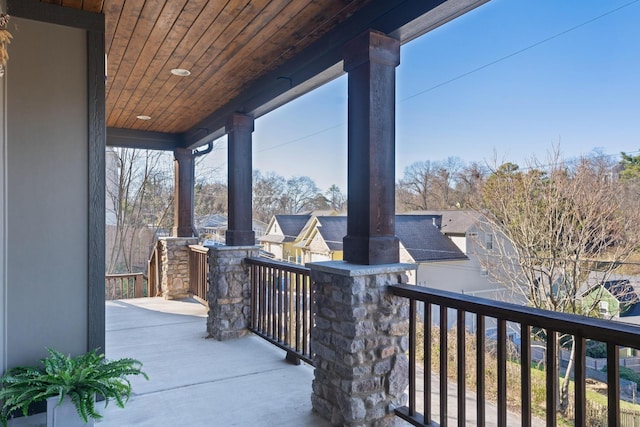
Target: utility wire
555,36
446,82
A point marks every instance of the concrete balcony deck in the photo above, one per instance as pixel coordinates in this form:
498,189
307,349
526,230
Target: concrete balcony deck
194,381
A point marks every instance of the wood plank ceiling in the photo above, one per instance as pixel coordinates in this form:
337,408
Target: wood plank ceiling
244,55
226,44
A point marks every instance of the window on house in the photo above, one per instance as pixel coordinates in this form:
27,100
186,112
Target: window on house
488,241
604,307
484,272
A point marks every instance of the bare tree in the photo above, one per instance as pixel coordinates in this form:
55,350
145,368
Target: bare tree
555,225
416,186
267,193
429,185
210,198
337,200
469,182
139,193
446,175
302,194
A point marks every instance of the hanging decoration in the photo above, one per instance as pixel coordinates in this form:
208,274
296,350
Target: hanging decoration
5,39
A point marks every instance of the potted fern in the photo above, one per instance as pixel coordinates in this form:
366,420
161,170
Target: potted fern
62,379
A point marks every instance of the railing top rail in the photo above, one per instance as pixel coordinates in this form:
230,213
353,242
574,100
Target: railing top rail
623,334
117,275
266,262
199,248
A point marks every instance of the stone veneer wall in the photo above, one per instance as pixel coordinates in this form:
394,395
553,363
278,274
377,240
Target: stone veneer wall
229,291
174,259
359,340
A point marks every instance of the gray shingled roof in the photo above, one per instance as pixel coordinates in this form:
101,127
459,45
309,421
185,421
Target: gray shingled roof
424,241
333,229
291,225
454,221
418,235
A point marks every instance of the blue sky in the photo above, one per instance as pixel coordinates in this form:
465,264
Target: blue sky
514,77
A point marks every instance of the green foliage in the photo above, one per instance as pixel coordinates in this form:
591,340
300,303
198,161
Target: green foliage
631,165
80,378
596,349
627,374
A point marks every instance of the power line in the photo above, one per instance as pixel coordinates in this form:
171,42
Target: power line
561,33
304,137
460,76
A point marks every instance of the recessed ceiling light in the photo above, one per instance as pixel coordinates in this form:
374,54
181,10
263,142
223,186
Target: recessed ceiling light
143,117
180,72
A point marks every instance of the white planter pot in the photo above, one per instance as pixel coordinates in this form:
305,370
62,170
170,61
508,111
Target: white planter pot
64,415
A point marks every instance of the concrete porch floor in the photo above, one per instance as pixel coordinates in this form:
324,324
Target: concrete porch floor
194,381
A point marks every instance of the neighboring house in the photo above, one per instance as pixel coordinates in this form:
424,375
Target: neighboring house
467,230
322,239
212,228
282,234
614,298
422,243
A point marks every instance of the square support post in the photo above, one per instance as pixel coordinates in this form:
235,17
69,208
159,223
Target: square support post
184,176
240,226
370,61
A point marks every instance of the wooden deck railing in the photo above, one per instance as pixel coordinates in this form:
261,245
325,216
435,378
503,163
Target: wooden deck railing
281,306
199,271
482,311
125,286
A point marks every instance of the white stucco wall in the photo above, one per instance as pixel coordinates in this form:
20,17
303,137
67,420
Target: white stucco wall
47,192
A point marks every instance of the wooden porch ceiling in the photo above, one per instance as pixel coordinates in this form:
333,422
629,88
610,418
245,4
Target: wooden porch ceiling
248,56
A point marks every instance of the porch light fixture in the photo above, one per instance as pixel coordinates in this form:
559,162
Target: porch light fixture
181,72
143,117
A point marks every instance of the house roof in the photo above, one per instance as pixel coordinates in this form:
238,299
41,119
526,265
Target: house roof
454,221
291,225
244,56
424,241
417,233
212,221
333,229
622,290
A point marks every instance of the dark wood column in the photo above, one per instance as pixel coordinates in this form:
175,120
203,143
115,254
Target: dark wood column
184,176
240,224
370,61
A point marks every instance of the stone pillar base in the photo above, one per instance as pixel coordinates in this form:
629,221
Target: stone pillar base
359,340
229,294
174,258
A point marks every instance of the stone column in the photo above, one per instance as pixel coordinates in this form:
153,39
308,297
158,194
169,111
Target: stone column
370,60
184,181
174,259
229,294
359,340
240,226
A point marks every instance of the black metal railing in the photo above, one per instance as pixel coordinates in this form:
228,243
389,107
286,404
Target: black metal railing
281,306
199,272
504,315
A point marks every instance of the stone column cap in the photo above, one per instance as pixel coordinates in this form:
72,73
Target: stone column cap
343,268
